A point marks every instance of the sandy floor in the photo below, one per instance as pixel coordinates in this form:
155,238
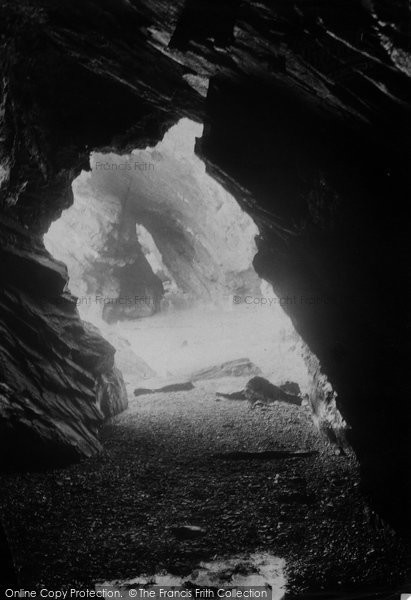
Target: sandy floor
110,517
179,343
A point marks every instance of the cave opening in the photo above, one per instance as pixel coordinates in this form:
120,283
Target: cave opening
160,258
306,125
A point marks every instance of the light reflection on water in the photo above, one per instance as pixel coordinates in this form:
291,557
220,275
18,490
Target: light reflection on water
259,570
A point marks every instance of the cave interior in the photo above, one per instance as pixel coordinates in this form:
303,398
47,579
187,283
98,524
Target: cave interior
183,155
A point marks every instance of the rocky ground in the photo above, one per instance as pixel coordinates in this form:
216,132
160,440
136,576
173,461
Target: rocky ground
163,466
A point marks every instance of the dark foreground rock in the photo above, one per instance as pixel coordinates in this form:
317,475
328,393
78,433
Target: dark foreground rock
261,391
58,375
172,387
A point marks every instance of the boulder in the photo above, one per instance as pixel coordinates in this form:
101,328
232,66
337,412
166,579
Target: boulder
291,388
234,368
112,396
173,387
259,389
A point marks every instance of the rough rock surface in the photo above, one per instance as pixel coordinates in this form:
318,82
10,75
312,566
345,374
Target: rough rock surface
108,271
172,387
259,390
307,122
111,393
50,362
232,368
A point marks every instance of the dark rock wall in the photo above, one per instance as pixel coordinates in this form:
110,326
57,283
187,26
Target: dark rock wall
8,577
337,249
308,108
55,107
50,361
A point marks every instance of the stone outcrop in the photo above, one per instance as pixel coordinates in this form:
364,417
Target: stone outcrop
111,393
108,270
58,380
241,367
307,123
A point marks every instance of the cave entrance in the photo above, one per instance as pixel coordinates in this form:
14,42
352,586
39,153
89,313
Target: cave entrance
160,257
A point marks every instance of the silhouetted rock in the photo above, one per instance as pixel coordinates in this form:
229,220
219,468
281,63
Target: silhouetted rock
172,387
291,388
263,391
50,399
